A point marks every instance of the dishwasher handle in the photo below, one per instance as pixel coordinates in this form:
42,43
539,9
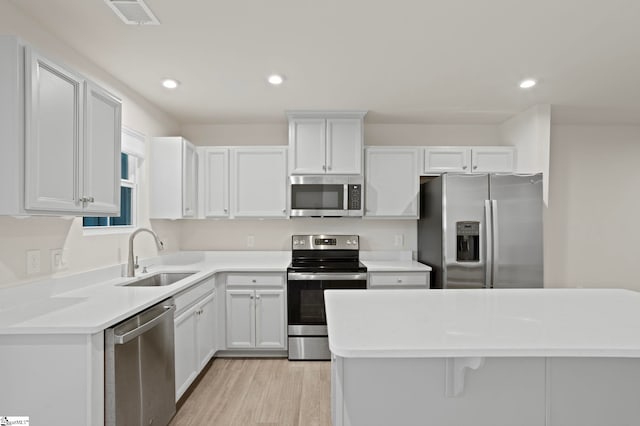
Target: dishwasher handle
127,337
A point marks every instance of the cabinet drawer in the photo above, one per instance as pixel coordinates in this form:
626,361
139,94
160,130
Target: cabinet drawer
398,280
272,280
194,293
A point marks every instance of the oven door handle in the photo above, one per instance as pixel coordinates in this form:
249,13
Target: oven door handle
301,276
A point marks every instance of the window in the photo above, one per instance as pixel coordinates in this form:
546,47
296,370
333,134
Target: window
127,198
130,162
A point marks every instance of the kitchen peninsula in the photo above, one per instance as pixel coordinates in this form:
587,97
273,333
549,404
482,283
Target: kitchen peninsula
536,357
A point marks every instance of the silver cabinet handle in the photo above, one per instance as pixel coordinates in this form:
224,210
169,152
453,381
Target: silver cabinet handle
124,338
329,168
324,167
253,281
399,280
225,210
464,167
251,297
475,167
258,297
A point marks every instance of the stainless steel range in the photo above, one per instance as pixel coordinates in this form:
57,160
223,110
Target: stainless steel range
318,263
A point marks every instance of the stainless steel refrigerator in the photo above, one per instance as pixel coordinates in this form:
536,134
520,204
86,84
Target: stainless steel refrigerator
482,230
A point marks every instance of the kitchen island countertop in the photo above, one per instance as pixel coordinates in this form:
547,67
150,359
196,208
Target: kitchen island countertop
484,323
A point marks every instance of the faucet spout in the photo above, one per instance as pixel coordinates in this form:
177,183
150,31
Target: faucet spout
131,266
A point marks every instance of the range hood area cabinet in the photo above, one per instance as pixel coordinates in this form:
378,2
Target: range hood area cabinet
325,142
61,136
244,182
464,159
392,181
173,176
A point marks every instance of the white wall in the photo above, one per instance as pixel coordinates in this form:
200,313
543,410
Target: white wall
84,253
530,133
591,233
276,234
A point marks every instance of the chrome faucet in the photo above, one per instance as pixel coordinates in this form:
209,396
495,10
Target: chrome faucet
131,265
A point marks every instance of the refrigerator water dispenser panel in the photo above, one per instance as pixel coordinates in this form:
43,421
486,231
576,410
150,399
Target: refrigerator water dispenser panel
468,241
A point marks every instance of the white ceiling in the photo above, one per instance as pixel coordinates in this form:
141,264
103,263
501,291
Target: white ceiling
411,61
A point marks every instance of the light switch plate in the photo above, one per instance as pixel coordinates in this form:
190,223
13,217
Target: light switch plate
33,262
58,259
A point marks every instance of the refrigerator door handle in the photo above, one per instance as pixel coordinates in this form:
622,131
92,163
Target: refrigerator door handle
495,256
488,219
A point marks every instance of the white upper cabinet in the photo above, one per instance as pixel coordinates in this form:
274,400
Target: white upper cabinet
461,159
216,181
326,142
447,159
173,175
101,154
61,136
392,182
244,181
493,159
189,180
259,182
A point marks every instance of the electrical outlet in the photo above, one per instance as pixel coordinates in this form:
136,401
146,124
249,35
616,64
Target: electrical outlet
58,259
251,241
398,240
33,262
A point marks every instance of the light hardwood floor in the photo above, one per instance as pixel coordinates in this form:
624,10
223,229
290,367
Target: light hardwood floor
259,392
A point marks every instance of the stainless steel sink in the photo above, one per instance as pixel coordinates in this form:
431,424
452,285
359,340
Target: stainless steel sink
161,279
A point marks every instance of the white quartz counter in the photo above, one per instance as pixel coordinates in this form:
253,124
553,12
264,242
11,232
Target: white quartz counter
483,323
391,261
90,302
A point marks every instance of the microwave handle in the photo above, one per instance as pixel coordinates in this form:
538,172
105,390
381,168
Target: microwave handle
345,197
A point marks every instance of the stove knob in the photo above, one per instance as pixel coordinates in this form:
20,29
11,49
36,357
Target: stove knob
348,242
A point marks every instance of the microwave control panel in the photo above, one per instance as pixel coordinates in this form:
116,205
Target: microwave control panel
355,201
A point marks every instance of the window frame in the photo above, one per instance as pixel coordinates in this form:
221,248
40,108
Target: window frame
133,144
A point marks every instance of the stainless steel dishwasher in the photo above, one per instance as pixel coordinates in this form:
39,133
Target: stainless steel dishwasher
140,370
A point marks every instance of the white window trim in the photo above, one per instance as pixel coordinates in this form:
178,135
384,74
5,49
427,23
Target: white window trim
133,144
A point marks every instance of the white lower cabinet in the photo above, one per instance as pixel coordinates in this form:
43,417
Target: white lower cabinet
255,317
195,339
398,280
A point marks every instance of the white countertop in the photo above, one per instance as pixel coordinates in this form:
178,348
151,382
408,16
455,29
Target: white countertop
391,261
483,323
66,306
89,302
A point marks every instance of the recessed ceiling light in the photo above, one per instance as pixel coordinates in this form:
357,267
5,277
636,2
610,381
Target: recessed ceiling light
527,84
170,83
275,79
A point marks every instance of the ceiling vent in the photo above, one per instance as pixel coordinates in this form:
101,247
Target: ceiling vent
133,12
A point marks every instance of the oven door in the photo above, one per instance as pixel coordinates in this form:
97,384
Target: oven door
305,299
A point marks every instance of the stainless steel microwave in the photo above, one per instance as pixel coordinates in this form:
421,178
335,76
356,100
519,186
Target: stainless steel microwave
326,196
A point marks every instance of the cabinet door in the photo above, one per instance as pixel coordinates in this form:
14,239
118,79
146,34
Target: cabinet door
53,135
446,159
344,146
189,179
493,159
392,182
270,325
307,145
185,350
101,165
240,319
216,185
259,182
205,330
